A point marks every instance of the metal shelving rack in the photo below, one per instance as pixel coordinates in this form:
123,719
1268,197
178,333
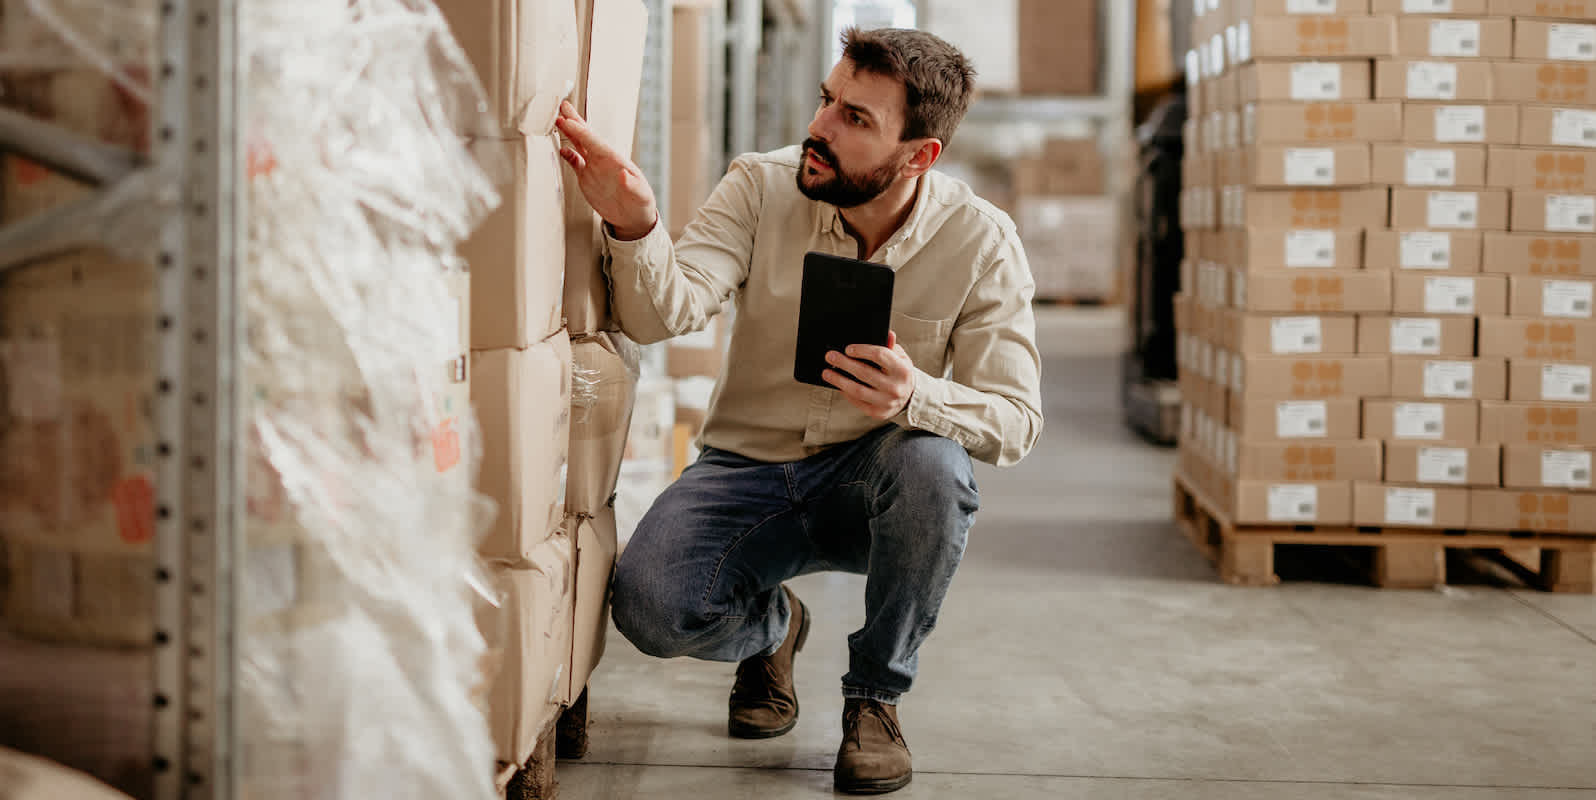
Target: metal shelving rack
195,749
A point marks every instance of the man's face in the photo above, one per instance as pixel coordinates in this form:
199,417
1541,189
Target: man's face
853,152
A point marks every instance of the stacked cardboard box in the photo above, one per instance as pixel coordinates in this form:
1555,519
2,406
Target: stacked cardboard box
1451,151
552,384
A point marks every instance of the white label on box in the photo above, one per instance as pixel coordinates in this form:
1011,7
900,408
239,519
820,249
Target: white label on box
1565,383
1235,371
1571,42
1415,337
1418,420
1310,166
1238,291
1448,295
1296,335
1244,40
1573,127
1233,129
1221,368
1453,209
1426,6
1232,448
1310,6
1205,359
1216,54
1293,503
1567,468
1301,419
1230,45
1310,249
1571,212
1409,506
1455,38
1453,379
1432,80
1426,250
1431,168
1314,80
1566,299
1443,465
1460,124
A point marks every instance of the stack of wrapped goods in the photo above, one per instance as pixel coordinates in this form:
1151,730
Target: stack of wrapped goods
1441,209
1547,425
1279,197
551,383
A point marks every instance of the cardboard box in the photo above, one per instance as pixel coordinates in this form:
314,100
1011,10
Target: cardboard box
596,548
1548,381
1271,502
1424,463
1407,165
1540,254
1247,9
1430,251
1545,126
1419,293
1553,9
1536,211
1465,7
1433,79
603,393
1315,377
1271,334
1452,337
1283,166
691,64
1059,47
1548,424
1542,511
1457,379
1450,421
1479,209
523,403
1534,467
1073,244
1321,37
1544,40
1313,291
1315,123
1550,298
1381,505
1535,339
526,54
1310,248
1066,166
1308,462
1420,37
1452,123
1543,169
529,637
517,255
1548,82
1315,208
1305,81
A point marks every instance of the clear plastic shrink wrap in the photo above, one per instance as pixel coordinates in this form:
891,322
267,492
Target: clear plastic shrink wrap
368,160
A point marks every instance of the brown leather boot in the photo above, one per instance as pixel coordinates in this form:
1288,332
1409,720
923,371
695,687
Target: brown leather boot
764,702
873,758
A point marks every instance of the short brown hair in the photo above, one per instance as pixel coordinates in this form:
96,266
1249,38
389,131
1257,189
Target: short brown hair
937,79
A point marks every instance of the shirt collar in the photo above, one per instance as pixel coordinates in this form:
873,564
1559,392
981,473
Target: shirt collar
829,217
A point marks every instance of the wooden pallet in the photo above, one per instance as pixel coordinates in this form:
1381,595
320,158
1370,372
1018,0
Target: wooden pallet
1402,558
565,737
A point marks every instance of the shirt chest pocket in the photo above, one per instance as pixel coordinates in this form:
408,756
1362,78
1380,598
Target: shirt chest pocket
925,340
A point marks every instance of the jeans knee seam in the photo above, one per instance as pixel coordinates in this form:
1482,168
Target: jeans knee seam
720,562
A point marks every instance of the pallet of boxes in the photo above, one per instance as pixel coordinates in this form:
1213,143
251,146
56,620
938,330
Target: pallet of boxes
1385,338
551,378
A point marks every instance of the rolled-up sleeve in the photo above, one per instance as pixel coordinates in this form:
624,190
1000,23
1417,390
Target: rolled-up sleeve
990,402
659,290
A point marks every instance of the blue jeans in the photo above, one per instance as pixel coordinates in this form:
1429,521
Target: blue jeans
701,575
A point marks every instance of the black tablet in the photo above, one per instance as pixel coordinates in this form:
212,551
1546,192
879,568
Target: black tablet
844,301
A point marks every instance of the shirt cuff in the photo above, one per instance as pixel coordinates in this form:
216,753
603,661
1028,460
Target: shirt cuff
924,404
650,251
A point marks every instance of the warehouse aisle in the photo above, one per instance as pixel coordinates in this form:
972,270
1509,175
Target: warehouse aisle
1087,651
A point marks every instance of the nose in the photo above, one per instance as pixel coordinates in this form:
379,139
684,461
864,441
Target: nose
820,126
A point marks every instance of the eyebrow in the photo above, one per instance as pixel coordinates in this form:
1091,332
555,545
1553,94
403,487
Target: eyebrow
858,109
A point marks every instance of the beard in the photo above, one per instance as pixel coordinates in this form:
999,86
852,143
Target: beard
843,189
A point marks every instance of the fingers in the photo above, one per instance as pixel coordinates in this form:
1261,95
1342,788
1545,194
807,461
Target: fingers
573,158
579,133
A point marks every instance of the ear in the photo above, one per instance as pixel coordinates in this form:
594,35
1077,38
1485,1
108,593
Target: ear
924,158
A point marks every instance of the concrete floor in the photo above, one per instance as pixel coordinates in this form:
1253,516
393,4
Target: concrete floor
1086,650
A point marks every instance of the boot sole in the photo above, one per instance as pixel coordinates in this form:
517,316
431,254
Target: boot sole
738,731
874,786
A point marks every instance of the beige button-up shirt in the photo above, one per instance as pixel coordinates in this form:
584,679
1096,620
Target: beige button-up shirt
961,309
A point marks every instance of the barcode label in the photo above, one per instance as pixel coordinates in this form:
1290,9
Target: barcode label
1460,124
1310,166
1432,80
1431,167
1571,42
1571,213
1452,209
1310,248
1443,465
1300,419
1418,420
1295,335
1415,336
1410,506
1315,81
1566,468
1426,250
1443,295
1455,38
1293,503
1565,383
1566,299
1449,379
1310,6
1427,6
1573,127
